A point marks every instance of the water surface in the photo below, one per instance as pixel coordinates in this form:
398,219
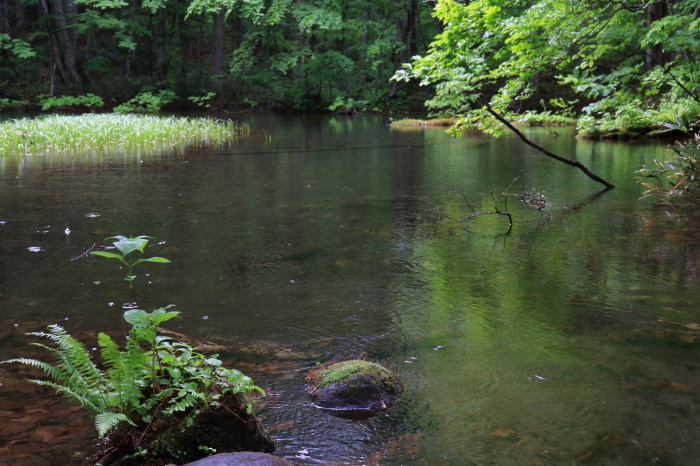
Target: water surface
571,340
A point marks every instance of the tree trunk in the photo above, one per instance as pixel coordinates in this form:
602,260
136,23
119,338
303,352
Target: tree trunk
21,18
407,29
4,17
60,19
217,51
160,69
67,11
656,11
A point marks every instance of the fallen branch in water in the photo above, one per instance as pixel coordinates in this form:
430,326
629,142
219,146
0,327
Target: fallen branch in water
495,210
574,163
94,247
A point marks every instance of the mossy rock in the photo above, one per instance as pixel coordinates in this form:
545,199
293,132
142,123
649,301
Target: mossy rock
230,428
353,386
227,429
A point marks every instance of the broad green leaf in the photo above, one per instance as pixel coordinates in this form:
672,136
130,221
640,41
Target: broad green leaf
164,317
128,245
111,255
138,317
152,259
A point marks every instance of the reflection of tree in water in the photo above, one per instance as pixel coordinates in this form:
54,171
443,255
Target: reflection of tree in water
405,197
588,315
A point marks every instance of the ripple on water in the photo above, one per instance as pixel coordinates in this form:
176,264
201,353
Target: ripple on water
35,249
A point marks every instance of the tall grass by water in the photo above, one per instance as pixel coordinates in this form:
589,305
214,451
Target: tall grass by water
103,132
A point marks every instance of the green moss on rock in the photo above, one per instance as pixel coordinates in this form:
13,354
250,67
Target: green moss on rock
353,385
339,371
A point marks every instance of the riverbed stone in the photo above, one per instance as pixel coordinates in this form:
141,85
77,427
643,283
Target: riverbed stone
243,458
353,386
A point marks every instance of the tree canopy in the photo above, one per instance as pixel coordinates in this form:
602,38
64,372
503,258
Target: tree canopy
619,62
288,53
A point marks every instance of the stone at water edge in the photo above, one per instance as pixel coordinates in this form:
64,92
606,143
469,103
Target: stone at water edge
241,458
353,385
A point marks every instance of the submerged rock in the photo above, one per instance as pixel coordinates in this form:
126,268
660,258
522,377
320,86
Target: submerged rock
243,458
353,386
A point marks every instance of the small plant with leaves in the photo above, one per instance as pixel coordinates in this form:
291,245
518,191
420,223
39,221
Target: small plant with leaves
348,106
126,246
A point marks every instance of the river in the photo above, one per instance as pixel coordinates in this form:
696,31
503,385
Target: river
571,340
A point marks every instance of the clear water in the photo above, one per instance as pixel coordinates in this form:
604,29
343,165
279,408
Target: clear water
572,340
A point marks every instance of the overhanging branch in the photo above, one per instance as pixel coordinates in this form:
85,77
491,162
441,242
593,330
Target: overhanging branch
574,163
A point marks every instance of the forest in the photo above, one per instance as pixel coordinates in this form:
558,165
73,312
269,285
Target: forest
615,66
280,53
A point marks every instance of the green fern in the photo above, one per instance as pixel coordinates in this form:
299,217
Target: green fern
104,422
151,380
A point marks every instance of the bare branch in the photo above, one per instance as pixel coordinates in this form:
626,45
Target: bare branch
495,204
464,197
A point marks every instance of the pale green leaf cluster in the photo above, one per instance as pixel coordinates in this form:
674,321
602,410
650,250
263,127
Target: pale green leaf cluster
17,47
64,101
146,102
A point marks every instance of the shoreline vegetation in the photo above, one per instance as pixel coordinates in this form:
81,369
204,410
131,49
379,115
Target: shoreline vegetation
585,130
131,133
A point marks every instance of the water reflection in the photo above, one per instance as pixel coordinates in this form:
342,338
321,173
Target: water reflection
571,341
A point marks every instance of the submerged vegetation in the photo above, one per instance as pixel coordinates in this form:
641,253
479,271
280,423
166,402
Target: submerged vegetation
129,133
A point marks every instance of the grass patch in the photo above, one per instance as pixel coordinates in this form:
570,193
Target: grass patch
129,133
434,122
330,374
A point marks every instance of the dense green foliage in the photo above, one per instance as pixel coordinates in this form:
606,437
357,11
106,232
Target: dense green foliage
624,65
128,133
150,53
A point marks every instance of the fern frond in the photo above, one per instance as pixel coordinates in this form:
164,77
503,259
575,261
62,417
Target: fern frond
84,400
79,378
52,371
125,372
104,422
154,400
72,356
187,401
